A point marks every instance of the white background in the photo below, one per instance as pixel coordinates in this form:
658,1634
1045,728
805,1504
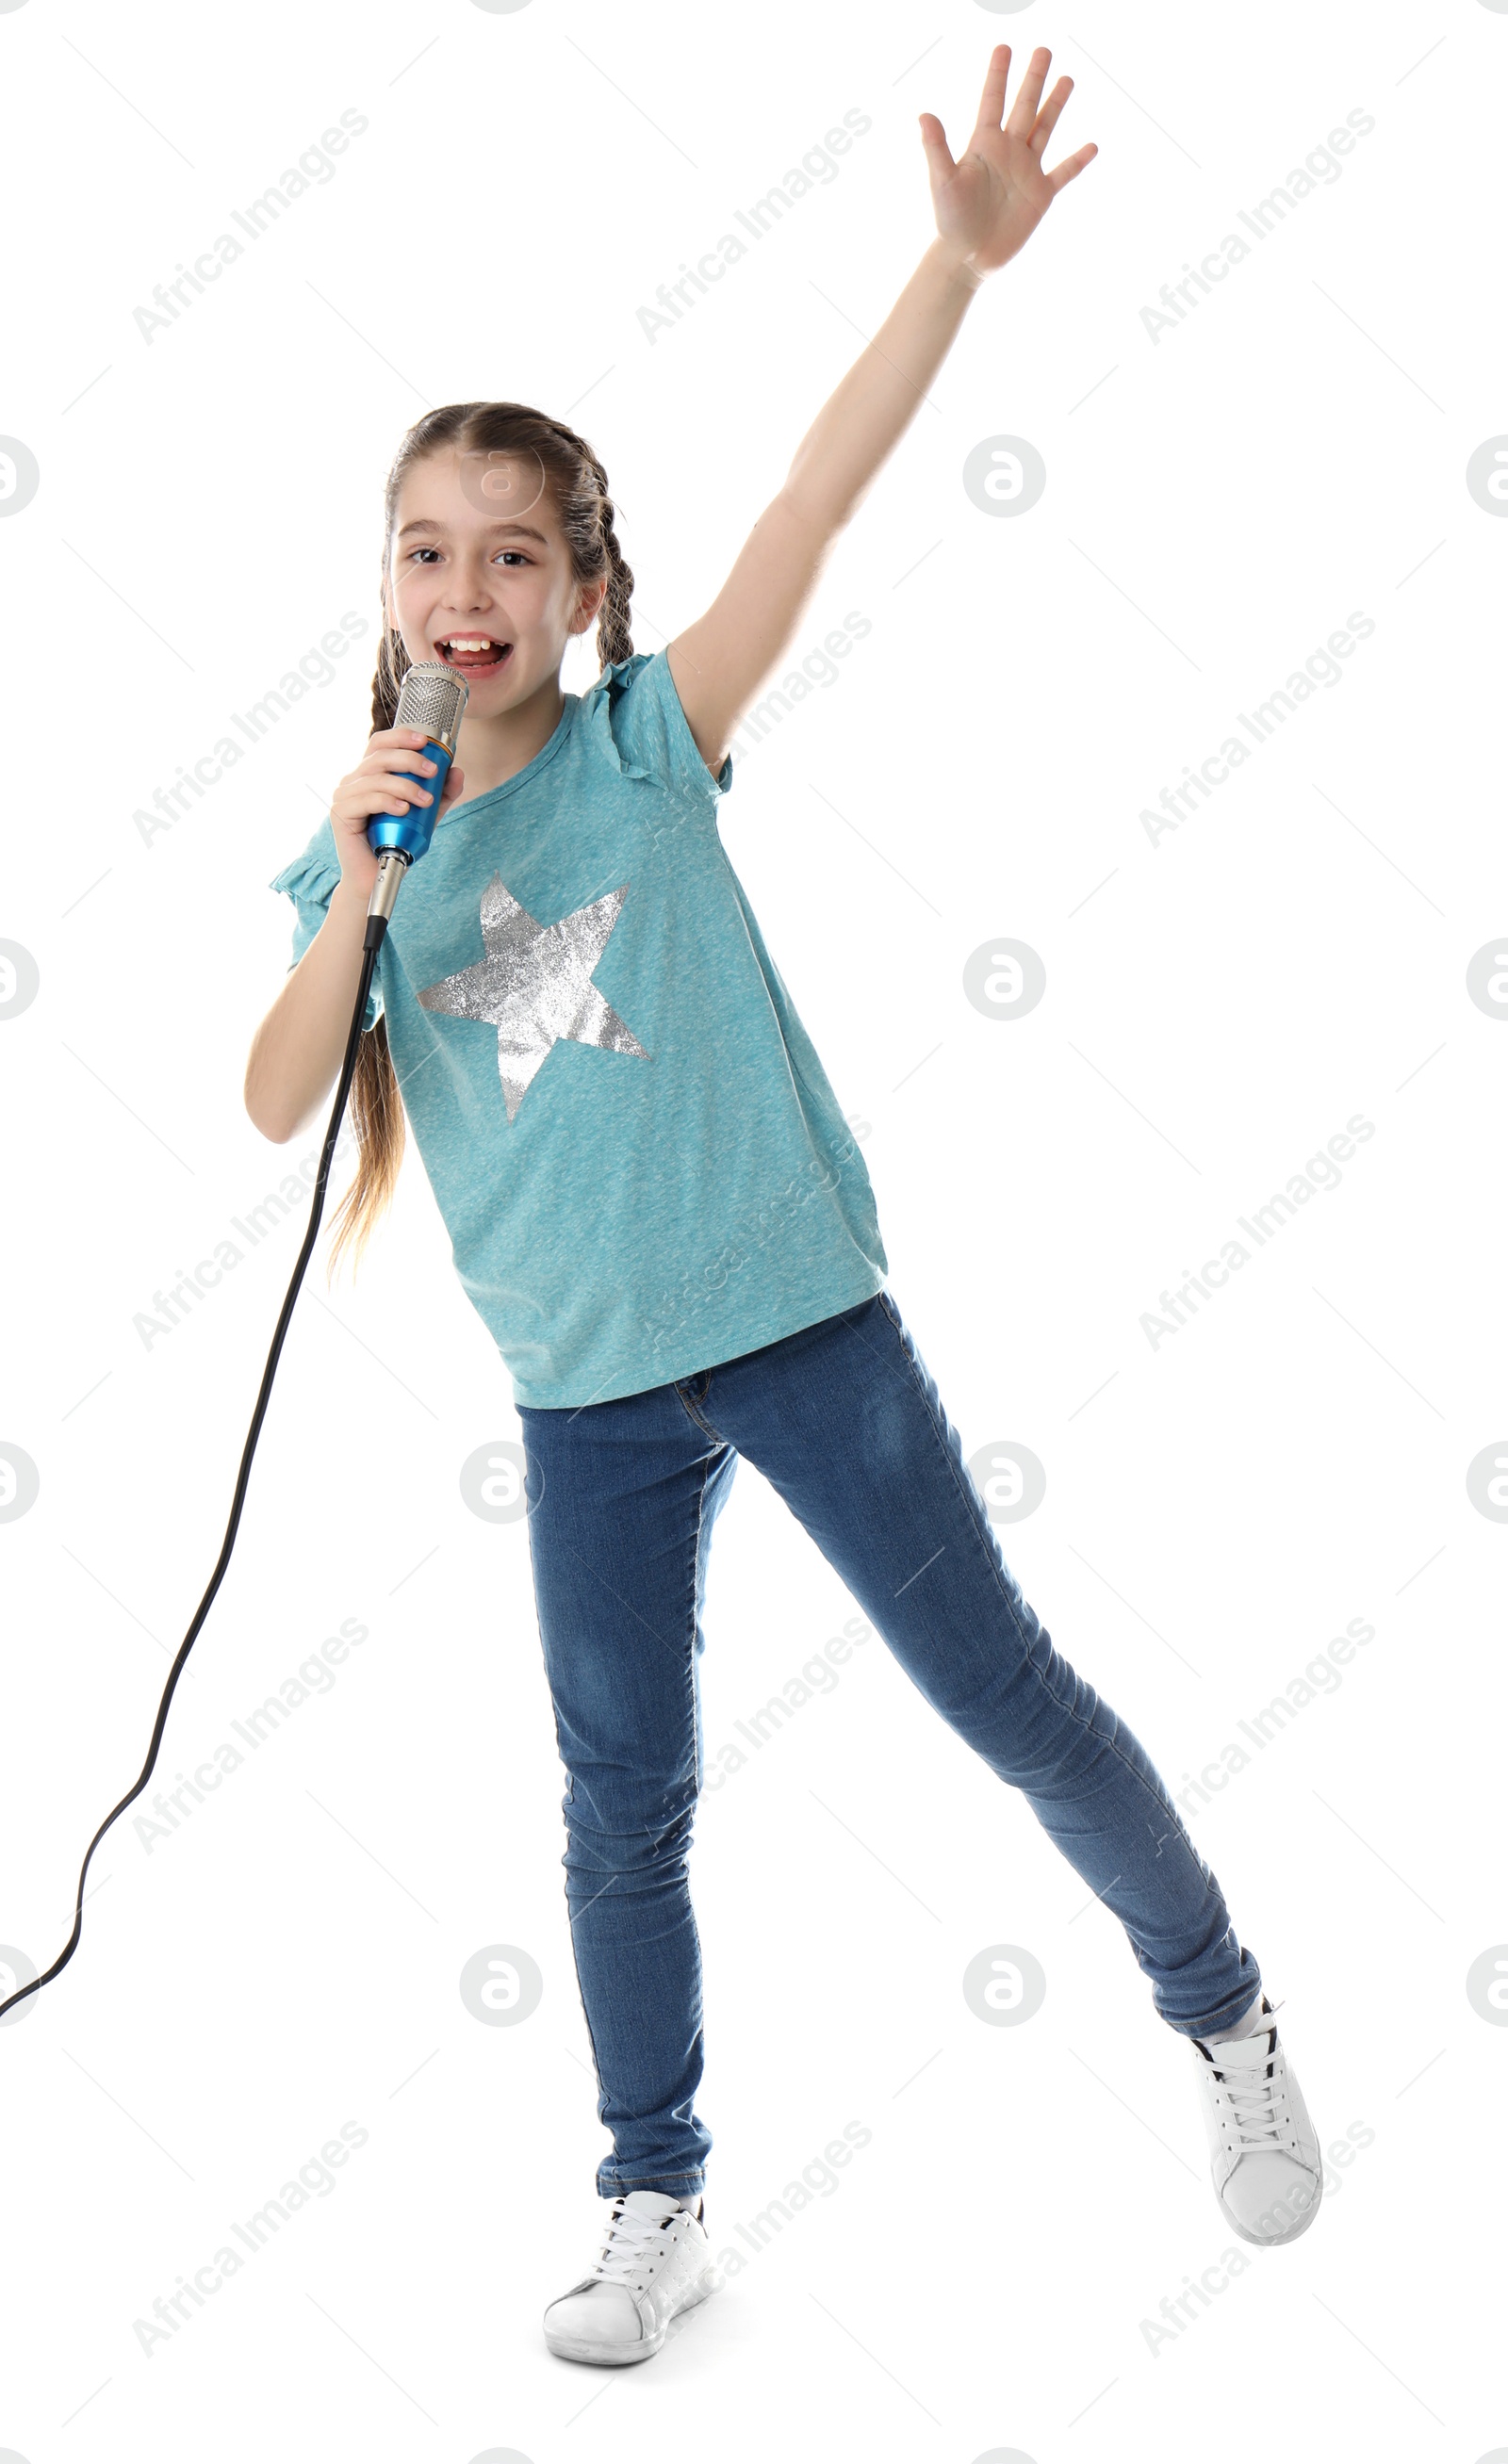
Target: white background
1217,1005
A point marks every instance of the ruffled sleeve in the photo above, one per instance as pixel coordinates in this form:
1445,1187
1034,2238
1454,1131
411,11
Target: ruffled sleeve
633,721
310,881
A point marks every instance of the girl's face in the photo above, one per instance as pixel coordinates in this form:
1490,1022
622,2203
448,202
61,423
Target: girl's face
479,575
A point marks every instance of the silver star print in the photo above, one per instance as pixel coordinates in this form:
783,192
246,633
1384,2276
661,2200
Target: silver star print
535,985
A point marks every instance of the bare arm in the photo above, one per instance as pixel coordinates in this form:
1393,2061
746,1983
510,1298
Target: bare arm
988,204
295,1052
720,663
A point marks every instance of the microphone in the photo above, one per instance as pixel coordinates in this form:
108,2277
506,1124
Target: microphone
432,696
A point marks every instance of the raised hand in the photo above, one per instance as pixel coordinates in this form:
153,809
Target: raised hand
990,201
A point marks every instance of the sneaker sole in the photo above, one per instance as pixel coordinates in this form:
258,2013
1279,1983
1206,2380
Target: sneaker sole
581,2348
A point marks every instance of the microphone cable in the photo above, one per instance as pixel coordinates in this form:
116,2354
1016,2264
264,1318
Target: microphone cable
376,927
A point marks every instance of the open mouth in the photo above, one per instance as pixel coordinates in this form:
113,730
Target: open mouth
475,654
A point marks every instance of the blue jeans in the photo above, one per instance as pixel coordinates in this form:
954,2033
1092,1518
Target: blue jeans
845,1422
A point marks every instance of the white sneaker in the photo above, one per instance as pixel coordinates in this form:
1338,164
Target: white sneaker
1264,2155
655,2261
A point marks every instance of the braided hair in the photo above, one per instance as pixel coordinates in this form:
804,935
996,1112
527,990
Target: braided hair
583,501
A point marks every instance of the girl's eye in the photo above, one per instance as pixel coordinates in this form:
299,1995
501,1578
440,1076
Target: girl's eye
518,552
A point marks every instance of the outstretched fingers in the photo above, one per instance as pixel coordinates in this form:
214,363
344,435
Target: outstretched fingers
1050,113
1028,93
992,98
1070,169
1031,122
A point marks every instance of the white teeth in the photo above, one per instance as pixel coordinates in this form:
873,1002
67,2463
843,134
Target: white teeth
463,642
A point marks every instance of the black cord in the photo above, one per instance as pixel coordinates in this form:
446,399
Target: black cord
376,927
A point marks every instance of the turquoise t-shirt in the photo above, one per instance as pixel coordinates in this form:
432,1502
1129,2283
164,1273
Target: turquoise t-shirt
635,1149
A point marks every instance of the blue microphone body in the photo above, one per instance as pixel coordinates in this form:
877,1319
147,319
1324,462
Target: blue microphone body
433,697
411,834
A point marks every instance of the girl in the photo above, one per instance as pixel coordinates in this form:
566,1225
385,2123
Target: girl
657,1209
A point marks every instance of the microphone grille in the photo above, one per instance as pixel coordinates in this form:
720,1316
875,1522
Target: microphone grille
433,696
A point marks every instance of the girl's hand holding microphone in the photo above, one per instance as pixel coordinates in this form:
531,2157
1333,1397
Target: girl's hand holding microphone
375,786
297,1051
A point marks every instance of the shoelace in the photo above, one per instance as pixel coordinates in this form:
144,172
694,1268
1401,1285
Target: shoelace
631,2241
1253,2098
